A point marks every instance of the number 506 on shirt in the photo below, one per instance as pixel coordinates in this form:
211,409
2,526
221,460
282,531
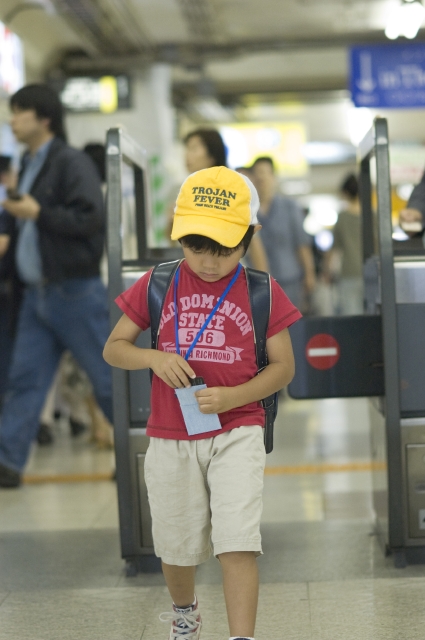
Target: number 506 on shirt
209,337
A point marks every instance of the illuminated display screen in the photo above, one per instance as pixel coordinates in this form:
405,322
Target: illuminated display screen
11,61
105,94
284,142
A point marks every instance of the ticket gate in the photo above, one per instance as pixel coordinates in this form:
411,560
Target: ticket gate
129,257
380,355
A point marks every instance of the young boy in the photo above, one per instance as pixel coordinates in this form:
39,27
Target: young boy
207,488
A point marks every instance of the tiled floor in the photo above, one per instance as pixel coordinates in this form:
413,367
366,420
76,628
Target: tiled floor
323,576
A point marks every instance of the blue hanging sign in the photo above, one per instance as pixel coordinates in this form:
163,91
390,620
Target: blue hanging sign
389,76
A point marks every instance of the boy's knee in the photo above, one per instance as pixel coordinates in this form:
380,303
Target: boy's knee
237,557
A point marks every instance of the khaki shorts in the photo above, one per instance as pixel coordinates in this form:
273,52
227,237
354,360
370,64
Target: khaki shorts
206,493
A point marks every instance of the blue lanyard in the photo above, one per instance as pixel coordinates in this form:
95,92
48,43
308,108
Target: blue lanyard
207,321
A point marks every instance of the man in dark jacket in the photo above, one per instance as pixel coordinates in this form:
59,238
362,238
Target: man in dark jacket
57,228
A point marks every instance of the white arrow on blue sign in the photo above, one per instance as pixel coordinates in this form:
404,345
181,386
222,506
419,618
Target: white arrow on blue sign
388,76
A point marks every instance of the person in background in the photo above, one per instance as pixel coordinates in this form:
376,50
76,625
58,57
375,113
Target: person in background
97,152
71,393
10,290
347,250
59,227
287,245
204,148
74,384
256,254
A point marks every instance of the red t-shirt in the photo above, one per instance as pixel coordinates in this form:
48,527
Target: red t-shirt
225,353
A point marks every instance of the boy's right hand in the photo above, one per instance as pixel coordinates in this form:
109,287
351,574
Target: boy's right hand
172,369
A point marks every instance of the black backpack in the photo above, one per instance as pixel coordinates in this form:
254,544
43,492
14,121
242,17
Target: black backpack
259,291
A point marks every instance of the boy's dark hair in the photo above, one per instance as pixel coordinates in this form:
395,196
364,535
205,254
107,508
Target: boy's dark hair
350,186
45,102
214,144
202,243
267,159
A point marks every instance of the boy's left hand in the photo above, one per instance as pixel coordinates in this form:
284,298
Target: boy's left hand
215,399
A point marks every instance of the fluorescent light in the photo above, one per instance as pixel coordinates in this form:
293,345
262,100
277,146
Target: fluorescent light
405,20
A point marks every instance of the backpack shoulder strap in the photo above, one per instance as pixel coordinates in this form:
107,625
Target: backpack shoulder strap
260,297
159,283
259,292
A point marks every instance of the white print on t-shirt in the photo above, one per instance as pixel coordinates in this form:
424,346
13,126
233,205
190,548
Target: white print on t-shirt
195,319
227,355
214,334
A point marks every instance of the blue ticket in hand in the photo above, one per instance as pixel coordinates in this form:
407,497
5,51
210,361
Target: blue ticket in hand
195,421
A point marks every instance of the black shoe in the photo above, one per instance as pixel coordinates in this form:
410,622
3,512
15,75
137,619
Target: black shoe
9,478
77,428
44,435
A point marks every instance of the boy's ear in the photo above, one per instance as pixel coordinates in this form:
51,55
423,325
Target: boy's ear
257,228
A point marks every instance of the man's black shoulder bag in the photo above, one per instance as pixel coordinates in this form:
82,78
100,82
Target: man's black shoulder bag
259,291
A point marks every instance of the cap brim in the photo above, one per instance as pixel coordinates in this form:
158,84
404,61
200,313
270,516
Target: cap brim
225,233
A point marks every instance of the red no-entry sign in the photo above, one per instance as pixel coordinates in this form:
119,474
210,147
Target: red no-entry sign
322,351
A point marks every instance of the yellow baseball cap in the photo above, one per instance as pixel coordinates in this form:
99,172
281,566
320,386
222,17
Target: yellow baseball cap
218,203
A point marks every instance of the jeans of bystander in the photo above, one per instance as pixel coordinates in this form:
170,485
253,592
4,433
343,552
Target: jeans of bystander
69,315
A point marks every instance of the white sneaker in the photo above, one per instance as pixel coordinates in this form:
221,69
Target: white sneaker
185,623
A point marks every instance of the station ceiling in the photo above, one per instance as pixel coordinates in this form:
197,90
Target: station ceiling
242,46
